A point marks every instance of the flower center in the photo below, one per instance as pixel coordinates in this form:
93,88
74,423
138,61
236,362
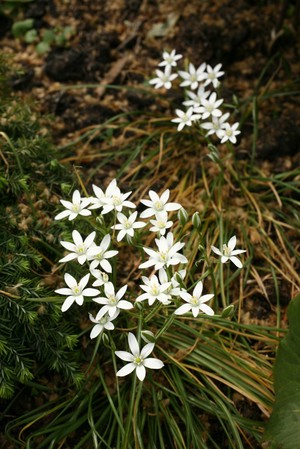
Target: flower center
164,256
76,290
229,132
99,255
127,224
194,301
116,200
154,290
76,207
159,205
80,249
112,299
226,250
138,360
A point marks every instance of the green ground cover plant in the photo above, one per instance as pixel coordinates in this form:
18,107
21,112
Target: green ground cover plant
205,363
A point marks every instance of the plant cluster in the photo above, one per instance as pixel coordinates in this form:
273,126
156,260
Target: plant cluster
165,287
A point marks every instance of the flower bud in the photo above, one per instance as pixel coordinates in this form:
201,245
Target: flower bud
228,311
196,221
182,216
148,336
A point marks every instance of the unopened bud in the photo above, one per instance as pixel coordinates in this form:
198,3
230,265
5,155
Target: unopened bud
196,221
228,311
148,336
182,216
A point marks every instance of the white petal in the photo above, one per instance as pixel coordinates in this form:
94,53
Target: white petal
67,303
236,262
70,280
127,369
124,355
206,309
77,238
153,363
141,372
183,309
198,289
96,331
232,242
216,250
147,349
133,344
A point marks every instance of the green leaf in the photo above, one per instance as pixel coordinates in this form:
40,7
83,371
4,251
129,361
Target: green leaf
30,36
19,28
283,429
42,47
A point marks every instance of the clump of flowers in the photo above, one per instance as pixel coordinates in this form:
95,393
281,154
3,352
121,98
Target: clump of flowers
201,105
166,285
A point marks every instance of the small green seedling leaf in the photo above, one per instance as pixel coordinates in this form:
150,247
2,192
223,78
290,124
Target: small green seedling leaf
42,47
283,429
30,36
19,28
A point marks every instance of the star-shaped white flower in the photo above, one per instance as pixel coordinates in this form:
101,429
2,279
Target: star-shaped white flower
102,323
185,118
212,75
79,248
210,106
228,132
161,223
78,206
193,77
154,290
127,225
112,302
101,278
174,288
216,124
163,79
196,99
229,253
138,360
195,302
158,204
114,199
170,59
100,196
99,254
76,291
166,255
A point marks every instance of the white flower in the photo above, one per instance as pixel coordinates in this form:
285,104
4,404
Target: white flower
195,302
170,59
163,79
101,278
101,323
76,207
99,255
210,106
196,99
174,289
212,75
99,200
193,77
137,359
229,253
185,118
166,255
228,132
161,223
126,225
76,291
216,124
154,290
112,301
114,199
79,248
158,204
